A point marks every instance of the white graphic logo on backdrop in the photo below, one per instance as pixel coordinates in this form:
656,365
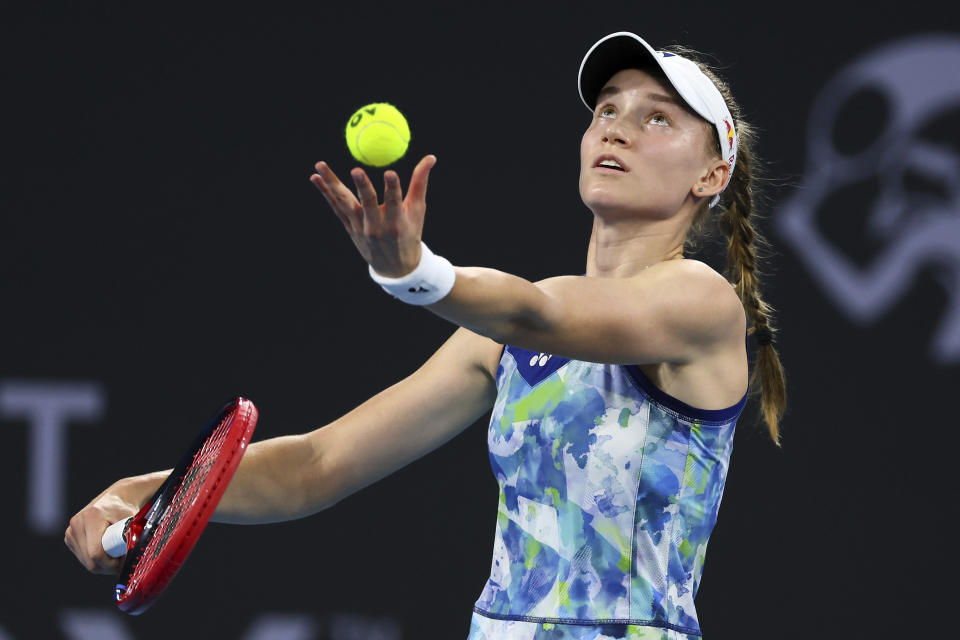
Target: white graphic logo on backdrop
49,409
102,624
918,80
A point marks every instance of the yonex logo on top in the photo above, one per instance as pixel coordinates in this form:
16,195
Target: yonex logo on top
540,360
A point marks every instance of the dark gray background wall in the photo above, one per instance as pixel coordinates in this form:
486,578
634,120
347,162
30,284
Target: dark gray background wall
162,250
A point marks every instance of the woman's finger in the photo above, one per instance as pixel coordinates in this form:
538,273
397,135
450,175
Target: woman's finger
94,549
341,199
341,194
69,538
368,200
418,181
322,188
365,191
392,197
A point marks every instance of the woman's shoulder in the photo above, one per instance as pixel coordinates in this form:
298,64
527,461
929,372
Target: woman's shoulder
669,312
715,296
692,273
688,268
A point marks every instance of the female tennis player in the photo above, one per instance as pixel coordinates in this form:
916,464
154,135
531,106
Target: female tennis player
614,394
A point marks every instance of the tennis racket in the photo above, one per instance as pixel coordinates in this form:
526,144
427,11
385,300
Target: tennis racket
159,538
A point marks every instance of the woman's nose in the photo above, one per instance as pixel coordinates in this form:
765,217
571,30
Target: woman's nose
614,133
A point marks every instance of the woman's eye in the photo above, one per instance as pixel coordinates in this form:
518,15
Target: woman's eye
607,112
659,119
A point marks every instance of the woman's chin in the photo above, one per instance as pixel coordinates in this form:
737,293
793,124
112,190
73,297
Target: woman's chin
613,209
606,204
607,196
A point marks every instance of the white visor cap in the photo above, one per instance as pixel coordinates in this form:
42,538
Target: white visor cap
625,50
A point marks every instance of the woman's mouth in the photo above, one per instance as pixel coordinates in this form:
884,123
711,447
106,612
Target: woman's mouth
608,163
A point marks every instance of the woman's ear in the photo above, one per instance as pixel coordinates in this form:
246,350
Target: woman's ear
713,181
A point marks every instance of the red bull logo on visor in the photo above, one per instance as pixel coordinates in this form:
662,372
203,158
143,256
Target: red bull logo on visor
729,135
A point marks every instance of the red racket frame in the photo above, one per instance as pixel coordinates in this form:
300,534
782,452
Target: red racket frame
162,534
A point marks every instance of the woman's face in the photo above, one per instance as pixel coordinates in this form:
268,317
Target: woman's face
659,143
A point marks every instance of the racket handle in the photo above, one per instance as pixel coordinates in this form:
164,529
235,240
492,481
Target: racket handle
113,541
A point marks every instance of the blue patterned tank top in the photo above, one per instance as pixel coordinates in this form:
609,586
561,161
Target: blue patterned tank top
609,489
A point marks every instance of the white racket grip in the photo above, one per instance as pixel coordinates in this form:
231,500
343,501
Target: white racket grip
114,544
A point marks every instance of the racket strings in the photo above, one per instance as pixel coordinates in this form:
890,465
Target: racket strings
183,505
184,496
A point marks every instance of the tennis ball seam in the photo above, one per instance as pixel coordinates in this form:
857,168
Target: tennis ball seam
366,160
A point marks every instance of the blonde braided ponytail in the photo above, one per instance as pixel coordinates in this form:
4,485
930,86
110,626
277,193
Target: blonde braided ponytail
737,205
741,271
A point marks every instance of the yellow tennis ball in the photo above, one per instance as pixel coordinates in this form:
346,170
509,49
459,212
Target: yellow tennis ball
378,134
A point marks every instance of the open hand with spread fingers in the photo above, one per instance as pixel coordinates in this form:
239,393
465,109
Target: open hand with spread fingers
386,235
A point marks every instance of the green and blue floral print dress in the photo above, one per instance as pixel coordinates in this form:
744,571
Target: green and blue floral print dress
609,489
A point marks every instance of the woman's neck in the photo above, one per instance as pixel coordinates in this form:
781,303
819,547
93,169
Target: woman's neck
622,248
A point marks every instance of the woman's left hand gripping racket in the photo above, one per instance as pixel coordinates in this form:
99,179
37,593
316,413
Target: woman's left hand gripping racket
158,539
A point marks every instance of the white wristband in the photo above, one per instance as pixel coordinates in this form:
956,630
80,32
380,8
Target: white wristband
430,281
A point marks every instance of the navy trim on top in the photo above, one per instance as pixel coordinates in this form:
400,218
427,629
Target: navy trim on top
534,374
600,622
682,408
